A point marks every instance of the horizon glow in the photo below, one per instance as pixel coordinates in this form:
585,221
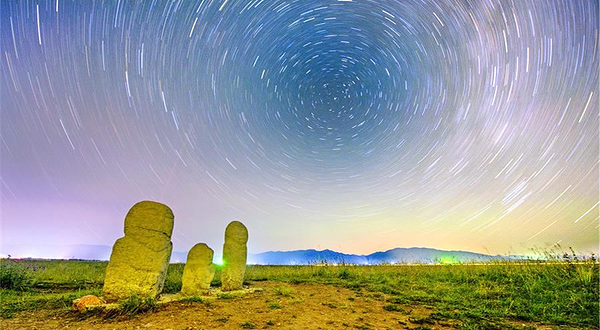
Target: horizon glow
355,126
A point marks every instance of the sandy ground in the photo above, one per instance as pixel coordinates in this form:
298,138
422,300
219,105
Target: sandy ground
277,306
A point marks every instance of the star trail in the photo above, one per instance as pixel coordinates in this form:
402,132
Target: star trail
354,125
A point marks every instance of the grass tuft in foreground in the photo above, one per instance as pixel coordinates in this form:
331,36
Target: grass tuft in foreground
137,305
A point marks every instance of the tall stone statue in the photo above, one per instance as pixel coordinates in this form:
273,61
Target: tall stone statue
234,256
199,271
139,260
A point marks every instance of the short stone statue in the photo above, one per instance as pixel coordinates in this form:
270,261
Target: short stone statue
199,271
139,260
234,256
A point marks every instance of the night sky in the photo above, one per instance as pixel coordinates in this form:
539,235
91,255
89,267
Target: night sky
353,125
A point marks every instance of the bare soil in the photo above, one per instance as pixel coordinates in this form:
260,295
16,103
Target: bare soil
277,306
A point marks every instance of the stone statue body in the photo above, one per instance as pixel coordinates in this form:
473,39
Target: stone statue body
199,271
139,260
234,256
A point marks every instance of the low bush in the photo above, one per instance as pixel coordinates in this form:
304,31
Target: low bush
14,276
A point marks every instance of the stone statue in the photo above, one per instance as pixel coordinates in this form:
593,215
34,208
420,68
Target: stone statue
199,271
234,256
139,260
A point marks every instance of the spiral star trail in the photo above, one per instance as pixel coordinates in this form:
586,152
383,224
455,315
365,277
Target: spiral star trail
354,125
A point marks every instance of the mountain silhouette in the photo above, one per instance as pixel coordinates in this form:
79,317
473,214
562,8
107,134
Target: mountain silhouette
393,256
297,257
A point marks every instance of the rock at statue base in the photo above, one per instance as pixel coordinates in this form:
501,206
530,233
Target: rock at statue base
82,303
198,272
139,260
234,256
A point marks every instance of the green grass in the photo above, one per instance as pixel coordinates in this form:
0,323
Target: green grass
275,306
247,325
286,292
226,295
558,293
137,305
16,301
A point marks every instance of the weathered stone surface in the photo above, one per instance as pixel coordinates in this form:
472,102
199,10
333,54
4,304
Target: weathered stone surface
139,260
199,271
82,303
234,256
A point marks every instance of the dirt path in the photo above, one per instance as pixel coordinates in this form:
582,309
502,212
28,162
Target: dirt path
277,306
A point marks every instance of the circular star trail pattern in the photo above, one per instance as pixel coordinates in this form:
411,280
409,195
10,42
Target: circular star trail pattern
352,125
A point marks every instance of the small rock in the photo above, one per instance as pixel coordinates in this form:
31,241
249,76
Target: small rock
82,303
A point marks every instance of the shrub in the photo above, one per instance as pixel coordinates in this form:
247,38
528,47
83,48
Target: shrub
344,274
14,276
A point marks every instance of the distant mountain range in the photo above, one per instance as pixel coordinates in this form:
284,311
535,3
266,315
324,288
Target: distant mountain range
298,257
394,256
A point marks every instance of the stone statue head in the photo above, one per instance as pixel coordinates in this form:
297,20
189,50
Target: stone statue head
200,254
149,217
236,232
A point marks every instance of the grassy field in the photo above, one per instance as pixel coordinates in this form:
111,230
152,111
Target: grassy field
491,296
